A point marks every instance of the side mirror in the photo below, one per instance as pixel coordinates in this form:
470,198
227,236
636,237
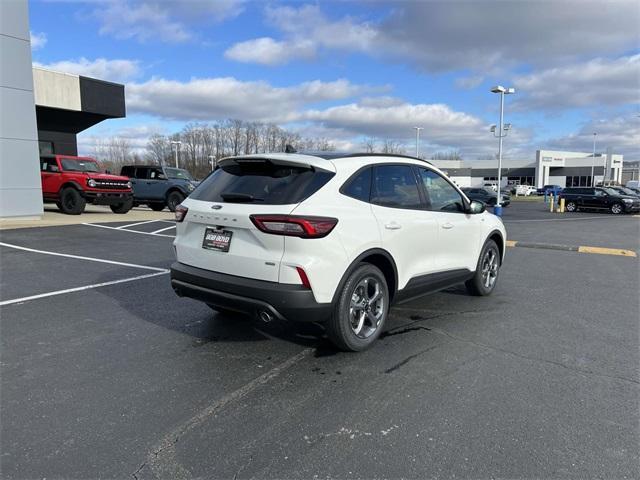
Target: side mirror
476,207
161,176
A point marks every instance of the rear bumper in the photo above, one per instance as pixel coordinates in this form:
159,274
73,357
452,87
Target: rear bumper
282,301
107,198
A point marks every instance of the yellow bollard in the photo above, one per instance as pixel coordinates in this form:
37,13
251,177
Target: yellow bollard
551,202
562,205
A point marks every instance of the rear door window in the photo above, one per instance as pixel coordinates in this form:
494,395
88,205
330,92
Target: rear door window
395,186
260,181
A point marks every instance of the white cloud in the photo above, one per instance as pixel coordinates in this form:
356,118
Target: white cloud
621,133
596,82
480,36
116,70
268,51
444,128
161,21
469,83
306,30
38,40
218,98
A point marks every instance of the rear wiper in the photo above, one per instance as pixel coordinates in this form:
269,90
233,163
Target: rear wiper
239,197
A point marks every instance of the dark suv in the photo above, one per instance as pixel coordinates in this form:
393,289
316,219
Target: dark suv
486,196
158,186
599,198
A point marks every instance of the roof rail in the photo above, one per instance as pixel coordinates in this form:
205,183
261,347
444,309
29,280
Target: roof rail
335,155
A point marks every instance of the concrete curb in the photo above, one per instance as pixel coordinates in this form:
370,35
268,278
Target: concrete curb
573,248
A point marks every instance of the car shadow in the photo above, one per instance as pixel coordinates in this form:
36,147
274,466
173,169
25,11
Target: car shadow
154,301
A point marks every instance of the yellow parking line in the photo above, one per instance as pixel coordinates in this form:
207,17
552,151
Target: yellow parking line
608,251
511,243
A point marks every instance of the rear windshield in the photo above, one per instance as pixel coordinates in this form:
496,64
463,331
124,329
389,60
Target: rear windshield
260,181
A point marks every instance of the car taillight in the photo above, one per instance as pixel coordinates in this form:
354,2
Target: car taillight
180,213
294,225
303,277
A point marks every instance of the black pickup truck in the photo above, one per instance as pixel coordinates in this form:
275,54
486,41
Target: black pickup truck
598,198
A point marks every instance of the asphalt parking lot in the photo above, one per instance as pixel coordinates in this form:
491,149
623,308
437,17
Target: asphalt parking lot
106,373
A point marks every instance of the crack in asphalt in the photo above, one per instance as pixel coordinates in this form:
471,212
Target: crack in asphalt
408,359
161,459
242,467
534,359
405,329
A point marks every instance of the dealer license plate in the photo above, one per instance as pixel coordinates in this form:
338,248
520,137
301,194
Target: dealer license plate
215,239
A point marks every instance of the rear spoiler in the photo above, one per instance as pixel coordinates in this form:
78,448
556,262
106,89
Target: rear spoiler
292,160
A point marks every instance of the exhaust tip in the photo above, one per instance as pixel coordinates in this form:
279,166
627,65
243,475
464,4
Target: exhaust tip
265,316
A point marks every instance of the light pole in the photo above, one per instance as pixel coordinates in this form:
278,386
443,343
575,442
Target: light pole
177,143
593,161
502,133
417,129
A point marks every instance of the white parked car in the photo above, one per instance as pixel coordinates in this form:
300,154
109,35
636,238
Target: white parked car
334,238
526,190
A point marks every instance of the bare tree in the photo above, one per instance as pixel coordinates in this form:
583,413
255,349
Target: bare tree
391,146
158,149
447,155
369,144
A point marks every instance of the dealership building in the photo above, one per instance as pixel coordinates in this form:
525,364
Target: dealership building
42,112
550,167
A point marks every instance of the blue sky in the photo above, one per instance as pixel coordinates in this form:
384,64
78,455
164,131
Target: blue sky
350,70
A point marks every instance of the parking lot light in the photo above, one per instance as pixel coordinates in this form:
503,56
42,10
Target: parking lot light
177,143
418,139
593,161
502,133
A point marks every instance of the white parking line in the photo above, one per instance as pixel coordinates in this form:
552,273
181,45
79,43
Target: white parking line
134,224
163,230
126,230
79,289
78,257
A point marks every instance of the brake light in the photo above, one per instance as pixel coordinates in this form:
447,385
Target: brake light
180,213
294,225
303,278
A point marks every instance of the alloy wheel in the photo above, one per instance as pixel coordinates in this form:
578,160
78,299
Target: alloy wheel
367,306
490,265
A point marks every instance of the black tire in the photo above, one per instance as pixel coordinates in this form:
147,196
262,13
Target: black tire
617,208
123,207
479,285
344,329
157,207
174,199
571,207
71,201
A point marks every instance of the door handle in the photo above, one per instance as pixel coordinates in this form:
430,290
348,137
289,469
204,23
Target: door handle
447,225
393,226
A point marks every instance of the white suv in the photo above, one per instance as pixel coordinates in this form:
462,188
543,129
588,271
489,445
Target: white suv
331,238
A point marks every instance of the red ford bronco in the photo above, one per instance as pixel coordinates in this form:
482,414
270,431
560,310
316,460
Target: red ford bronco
71,182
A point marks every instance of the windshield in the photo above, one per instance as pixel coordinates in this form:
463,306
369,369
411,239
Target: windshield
260,181
178,173
79,165
627,191
611,191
